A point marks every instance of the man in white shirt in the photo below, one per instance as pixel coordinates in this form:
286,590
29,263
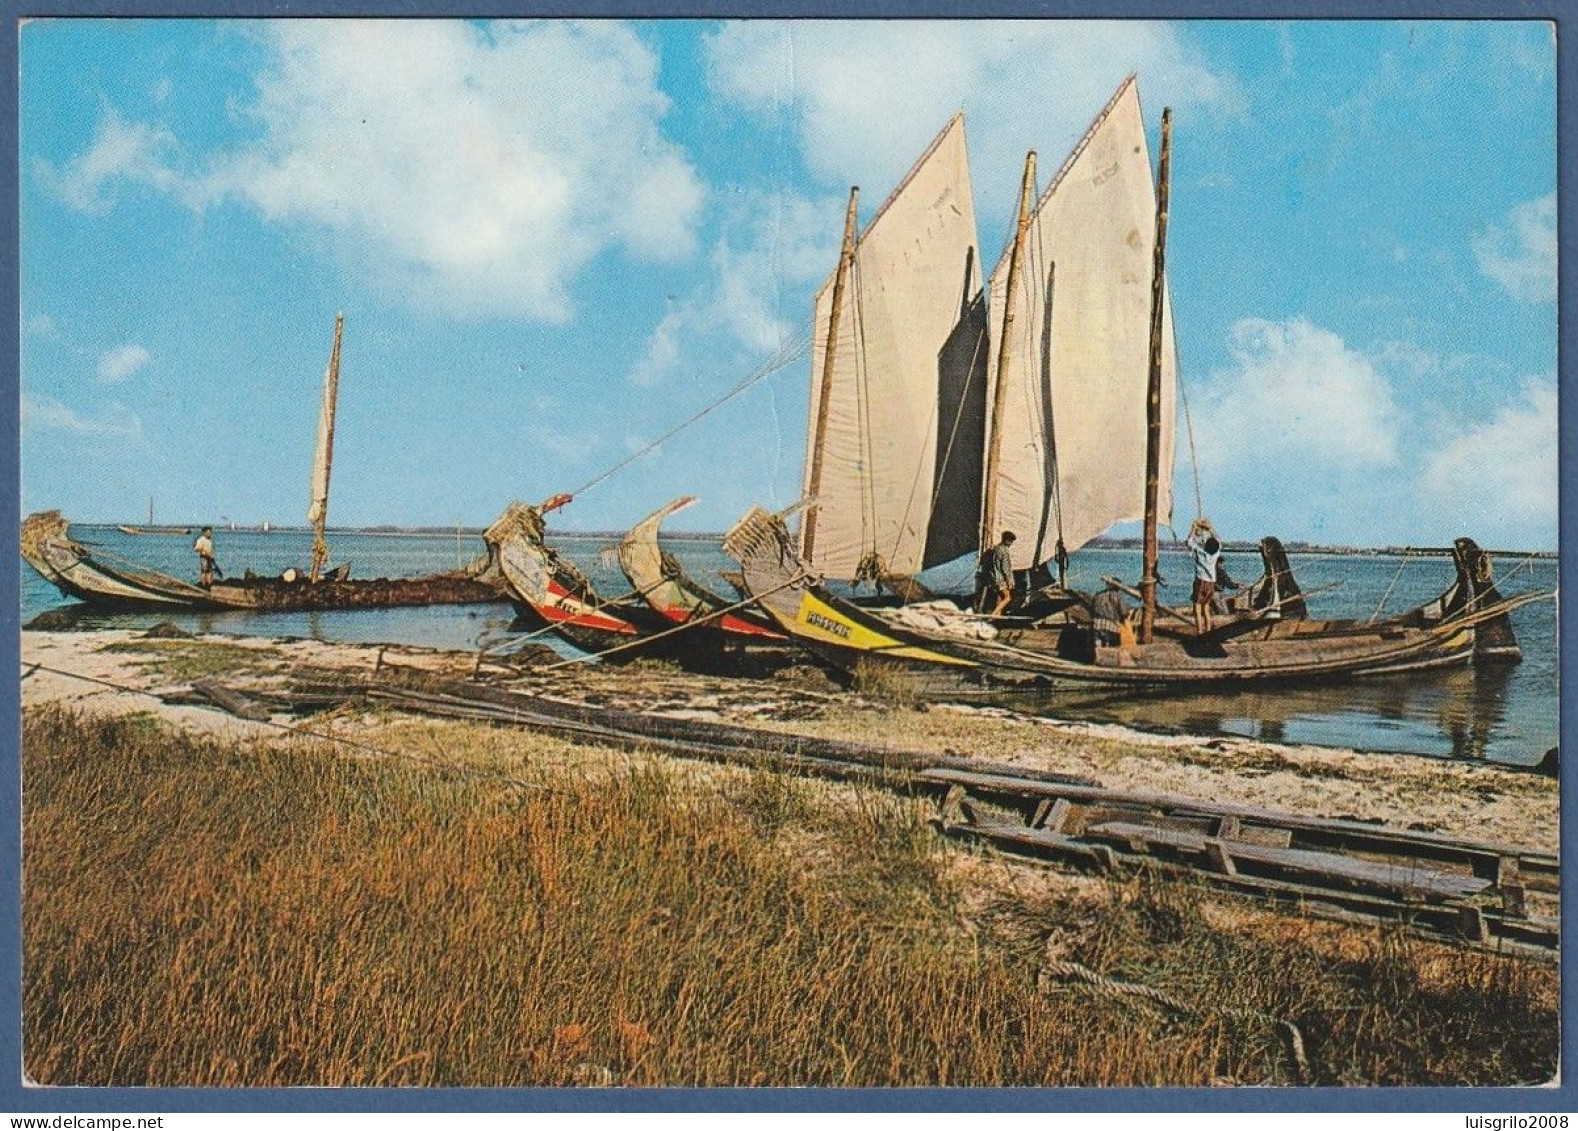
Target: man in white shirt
1207,550
204,548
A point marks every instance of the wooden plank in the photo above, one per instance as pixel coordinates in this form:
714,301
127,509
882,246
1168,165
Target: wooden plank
1326,865
979,781
232,702
1040,842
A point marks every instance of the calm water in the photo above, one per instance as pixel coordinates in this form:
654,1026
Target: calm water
1504,713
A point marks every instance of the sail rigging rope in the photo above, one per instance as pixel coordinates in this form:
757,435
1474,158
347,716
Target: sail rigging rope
789,351
1389,588
1056,486
868,490
1194,463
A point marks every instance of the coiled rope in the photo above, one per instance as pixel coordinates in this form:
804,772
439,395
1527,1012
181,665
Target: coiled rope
1057,970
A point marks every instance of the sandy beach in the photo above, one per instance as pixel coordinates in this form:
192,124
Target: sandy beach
1479,801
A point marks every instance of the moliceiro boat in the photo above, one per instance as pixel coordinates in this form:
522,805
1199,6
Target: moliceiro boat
107,581
104,579
1248,646
1076,325
662,582
550,592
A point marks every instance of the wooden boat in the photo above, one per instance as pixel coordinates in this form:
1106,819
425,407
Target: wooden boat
101,578
550,591
659,578
1246,648
140,530
1079,392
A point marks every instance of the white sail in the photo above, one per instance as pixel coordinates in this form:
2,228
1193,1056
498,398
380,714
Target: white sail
323,457
904,309
1071,459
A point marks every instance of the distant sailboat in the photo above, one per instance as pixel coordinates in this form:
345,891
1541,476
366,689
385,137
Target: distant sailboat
101,578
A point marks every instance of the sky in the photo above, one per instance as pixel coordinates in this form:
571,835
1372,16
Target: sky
554,241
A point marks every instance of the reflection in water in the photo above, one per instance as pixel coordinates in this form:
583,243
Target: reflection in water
1465,707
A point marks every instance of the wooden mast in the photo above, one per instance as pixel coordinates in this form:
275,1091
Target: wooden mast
1153,399
846,261
994,439
318,512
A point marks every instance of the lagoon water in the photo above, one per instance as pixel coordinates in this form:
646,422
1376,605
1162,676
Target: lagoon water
1505,713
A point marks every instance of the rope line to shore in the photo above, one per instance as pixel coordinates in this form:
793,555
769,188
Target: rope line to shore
788,352
517,642
691,622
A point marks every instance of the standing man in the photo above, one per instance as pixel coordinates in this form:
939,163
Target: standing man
997,576
1207,550
204,548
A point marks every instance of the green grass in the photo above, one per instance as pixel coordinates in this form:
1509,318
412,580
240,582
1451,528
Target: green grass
196,659
201,912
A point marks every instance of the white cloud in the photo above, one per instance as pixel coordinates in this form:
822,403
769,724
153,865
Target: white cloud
479,168
1296,390
122,151
42,325
755,300
118,364
570,446
867,96
1500,477
1520,253
46,414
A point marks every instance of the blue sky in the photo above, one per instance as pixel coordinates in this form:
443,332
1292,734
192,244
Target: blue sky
553,241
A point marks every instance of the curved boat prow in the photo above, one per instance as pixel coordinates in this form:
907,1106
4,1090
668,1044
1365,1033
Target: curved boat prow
46,545
1475,589
663,583
650,570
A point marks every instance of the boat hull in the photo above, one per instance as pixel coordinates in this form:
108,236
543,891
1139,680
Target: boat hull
550,592
1246,653
74,570
664,585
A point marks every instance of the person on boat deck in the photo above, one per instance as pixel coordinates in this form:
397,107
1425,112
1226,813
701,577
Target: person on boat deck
204,548
1224,584
997,571
1108,614
1207,550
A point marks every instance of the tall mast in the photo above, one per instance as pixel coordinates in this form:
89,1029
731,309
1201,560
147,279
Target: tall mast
994,438
323,461
846,260
1153,399
150,510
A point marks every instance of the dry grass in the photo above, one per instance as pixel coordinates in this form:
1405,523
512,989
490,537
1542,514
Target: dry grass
206,913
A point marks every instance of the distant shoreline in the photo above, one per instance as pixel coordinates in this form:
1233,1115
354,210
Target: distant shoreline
695,536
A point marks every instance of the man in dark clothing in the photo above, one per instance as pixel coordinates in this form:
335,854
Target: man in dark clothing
996,574
1108,615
